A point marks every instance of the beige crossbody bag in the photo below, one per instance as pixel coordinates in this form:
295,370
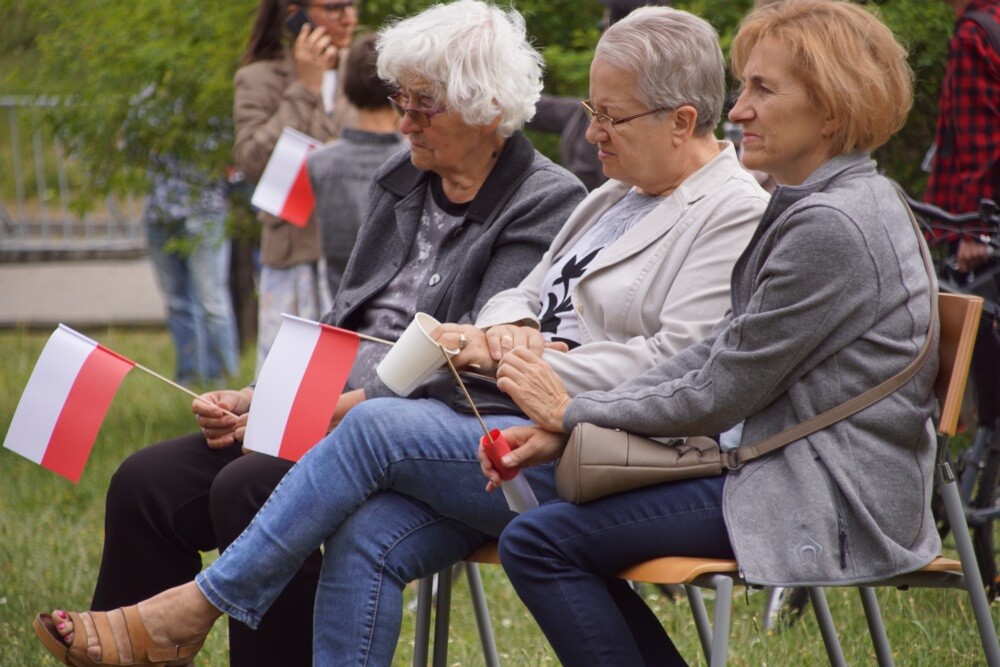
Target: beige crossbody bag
601,461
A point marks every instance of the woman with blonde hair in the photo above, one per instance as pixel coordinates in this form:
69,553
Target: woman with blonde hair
830,299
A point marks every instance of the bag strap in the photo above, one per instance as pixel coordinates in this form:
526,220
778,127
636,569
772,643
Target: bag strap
498,208
987,23
737,457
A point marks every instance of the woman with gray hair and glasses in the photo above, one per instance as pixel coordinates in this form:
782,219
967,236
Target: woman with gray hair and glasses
639,272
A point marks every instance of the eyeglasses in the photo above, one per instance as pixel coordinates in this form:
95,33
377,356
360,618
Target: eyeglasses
334,10
421,117
604,120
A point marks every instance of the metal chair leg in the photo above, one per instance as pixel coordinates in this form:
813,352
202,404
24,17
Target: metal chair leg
826,627
883,651
422,631
701,623
442,617
723,609
970,569
482,615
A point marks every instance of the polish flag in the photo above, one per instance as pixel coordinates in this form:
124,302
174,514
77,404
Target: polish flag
298,388
65,401
284,188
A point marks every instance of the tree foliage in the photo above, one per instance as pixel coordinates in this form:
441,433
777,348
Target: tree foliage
156,76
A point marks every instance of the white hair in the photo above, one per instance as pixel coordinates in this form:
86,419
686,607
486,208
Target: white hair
475,55
675,57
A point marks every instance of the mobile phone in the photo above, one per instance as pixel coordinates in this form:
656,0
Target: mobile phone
294,23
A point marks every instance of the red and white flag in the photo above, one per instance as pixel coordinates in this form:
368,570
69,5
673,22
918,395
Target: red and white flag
284,188
65,401
299,386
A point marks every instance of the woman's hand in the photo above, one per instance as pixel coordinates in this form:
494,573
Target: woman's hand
221,430
503,338
314,53
535,387
471,345
971,254
530,446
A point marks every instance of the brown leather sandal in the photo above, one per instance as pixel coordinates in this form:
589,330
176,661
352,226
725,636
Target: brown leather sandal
120,633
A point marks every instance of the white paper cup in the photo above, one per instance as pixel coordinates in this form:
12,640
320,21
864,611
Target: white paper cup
413,358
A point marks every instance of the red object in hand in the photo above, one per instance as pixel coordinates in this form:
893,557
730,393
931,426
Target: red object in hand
496,450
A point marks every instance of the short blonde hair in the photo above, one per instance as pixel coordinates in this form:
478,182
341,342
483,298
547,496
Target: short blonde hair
847,59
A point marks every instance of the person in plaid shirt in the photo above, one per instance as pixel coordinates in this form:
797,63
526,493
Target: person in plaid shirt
966,166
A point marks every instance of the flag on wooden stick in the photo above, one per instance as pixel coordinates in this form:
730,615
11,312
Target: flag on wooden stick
284,189
299,386
65,402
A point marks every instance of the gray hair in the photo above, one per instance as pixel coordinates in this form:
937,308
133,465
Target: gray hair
675,57
475,55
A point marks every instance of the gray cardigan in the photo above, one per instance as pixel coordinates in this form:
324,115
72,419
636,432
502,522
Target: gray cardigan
829,299
487,260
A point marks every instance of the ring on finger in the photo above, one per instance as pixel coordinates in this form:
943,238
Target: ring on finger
462,341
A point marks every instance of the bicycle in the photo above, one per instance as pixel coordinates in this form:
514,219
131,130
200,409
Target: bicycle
978,466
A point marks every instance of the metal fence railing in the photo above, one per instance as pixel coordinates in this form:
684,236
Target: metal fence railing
37,189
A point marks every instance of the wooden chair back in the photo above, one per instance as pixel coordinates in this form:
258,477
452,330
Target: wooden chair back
959,315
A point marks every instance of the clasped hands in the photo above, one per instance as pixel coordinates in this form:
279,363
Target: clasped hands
513,354
222,430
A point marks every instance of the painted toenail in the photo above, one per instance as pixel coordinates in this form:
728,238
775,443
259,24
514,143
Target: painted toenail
60,626
61,614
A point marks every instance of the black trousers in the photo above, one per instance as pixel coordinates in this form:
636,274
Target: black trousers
173,500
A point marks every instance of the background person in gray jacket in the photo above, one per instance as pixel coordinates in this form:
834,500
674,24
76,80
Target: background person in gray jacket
341,171
830,299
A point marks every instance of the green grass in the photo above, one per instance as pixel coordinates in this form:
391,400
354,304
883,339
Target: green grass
51,532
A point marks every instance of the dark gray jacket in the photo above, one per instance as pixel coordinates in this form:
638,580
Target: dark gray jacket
484,261
830,299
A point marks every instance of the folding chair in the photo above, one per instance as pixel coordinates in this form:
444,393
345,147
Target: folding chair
959,323
425,600
959,316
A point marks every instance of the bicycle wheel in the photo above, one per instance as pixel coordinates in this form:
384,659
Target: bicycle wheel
983,530
784,607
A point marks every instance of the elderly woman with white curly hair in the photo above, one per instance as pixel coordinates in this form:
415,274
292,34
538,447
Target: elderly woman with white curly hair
639,271
465,213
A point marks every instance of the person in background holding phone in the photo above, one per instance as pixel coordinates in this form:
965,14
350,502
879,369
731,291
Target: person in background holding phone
290,80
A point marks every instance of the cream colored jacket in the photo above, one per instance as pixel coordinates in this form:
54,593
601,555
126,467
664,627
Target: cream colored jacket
656,290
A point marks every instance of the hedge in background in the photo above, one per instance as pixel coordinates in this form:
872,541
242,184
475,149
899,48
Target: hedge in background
183,54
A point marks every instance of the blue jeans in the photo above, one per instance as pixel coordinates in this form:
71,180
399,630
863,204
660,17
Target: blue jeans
394,493
562,560
194,281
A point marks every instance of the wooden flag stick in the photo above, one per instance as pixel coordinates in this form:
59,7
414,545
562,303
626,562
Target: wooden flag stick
235,416
184,389
465,391
374,339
